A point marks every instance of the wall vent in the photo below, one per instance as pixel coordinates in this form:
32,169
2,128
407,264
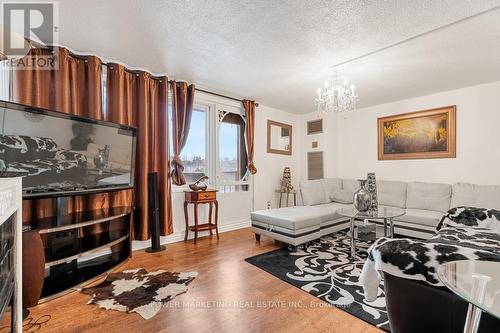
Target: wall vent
315,165
315,126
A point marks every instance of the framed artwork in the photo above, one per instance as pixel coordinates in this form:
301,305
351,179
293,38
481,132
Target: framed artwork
418,135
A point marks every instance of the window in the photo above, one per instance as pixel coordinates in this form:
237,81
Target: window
194,153
232,152
215,146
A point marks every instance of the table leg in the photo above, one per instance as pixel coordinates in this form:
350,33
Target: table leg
353,245
295,199
281,195
186,219
391,226
472,319
287,198
195,221
217,218
210,218
385,227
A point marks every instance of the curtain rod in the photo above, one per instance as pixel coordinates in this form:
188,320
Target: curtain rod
110,65
224,96
197,89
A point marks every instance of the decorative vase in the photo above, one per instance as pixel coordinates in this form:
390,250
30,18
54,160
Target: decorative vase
371,186
362,198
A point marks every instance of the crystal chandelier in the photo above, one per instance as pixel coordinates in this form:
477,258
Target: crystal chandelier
334,97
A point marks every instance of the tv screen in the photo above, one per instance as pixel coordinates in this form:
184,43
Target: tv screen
59,154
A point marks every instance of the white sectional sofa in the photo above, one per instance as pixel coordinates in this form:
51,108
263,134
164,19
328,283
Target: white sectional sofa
425,204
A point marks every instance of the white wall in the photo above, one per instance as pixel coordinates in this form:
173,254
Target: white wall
478,138
328,142
270,166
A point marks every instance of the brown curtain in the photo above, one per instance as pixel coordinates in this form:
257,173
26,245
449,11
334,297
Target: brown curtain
135,99
140,100
74,87
250,133
182,110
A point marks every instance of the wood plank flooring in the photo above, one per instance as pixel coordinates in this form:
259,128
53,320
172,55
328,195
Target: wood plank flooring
229,295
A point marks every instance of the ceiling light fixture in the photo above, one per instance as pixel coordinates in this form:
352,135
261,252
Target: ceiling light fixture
336,97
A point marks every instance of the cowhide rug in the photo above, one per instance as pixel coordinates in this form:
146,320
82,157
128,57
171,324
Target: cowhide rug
139,291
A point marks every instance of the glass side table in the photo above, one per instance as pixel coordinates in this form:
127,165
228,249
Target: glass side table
476,282
383,213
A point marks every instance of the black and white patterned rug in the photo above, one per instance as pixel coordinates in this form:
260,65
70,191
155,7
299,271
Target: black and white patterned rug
323,269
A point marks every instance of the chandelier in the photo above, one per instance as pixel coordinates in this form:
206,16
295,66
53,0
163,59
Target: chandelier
334,97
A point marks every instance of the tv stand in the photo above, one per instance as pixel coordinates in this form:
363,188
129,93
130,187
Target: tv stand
77,248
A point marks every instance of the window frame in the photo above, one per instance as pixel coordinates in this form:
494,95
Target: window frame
245,180
214,106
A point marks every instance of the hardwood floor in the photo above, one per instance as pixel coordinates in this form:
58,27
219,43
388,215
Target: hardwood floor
223,277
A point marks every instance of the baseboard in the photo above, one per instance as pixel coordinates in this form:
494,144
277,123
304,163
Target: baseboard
179,236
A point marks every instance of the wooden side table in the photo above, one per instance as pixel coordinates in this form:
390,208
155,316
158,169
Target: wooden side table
201,197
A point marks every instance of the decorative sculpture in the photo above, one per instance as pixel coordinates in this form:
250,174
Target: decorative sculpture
200,185
286,181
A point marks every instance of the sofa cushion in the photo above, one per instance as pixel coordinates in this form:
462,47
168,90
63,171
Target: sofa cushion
328,212
330,186
481,196
298,217
421,216
312,192
430,196
342,196
391,193
350,185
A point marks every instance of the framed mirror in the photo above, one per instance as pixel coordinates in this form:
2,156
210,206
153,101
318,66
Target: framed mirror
279,138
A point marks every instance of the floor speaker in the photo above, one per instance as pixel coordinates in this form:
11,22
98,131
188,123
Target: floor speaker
154,213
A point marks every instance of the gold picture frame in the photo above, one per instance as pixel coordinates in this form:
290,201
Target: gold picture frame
418,135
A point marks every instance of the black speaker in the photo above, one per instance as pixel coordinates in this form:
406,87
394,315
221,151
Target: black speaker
154,213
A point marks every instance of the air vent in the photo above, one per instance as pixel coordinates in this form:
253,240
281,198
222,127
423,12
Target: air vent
315,165
315,126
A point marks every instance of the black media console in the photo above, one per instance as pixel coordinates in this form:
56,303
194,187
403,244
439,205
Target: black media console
82,246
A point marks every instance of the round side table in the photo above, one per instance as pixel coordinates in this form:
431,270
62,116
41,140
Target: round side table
476,282
383,213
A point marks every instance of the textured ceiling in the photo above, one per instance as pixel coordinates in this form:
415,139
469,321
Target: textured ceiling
278,52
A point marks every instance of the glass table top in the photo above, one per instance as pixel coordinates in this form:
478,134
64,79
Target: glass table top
477,282
383,212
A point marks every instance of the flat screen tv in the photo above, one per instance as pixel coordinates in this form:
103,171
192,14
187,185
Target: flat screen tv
60,155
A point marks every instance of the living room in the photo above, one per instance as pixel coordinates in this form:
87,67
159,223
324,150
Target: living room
260,166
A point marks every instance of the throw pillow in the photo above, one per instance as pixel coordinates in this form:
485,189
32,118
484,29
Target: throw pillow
342,196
